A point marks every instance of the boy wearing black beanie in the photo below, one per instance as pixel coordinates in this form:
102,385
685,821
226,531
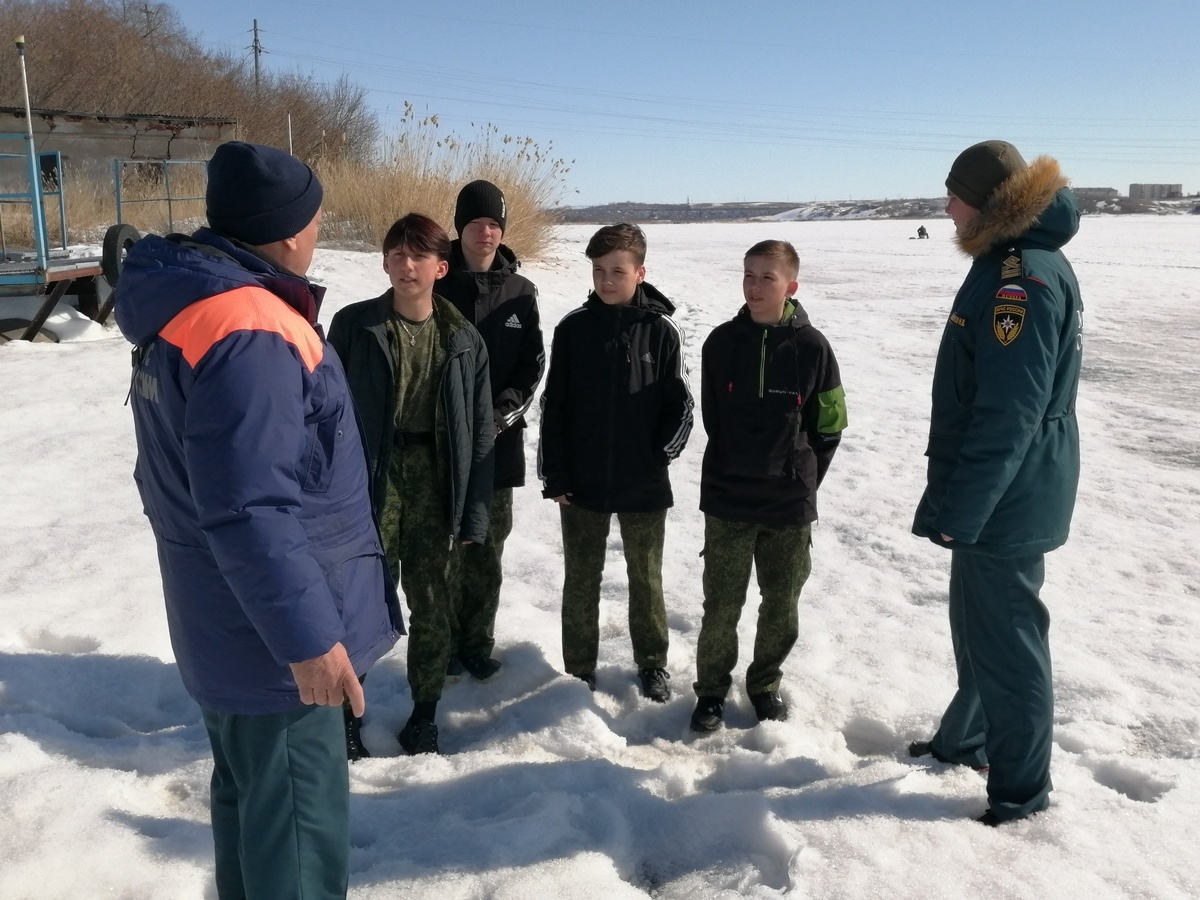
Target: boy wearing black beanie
483,284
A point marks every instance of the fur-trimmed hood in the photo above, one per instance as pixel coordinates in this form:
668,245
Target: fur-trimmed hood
1032,200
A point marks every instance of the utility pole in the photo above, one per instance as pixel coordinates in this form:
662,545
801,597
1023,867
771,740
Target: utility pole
257,48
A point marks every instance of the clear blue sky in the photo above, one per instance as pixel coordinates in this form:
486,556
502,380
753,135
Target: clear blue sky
663,100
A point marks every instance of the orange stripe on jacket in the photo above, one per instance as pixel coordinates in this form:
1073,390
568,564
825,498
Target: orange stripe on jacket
196,329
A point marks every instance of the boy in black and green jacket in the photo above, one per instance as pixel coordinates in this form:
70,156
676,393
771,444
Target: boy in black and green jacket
774,410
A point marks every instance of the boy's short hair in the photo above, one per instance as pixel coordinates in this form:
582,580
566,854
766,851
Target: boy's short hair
420,233
778,250
621,236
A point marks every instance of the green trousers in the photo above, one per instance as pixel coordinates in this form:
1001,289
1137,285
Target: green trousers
783,560
415,529
479,575
585,542
280,801
1002,715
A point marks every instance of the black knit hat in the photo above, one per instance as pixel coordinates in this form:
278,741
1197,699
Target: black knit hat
480,200
258,194
982,168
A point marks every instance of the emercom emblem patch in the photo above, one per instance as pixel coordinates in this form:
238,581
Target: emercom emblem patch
1007,321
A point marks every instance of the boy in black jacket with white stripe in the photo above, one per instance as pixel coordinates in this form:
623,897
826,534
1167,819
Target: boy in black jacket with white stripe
774,410
616,410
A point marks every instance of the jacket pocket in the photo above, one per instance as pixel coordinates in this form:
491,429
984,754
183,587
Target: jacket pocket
759,444
321,441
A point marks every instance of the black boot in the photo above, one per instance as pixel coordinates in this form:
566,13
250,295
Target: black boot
708,714
769,705
480,667
354,745
654,684
420,734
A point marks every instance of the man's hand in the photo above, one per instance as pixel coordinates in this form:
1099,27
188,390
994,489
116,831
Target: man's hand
328,679
947,538
562,499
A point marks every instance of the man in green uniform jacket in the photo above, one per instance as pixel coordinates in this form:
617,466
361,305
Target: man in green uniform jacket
1004,464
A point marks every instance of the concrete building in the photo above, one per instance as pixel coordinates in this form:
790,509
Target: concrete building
1155,191
89,142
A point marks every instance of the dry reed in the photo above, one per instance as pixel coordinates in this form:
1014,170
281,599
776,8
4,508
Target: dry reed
421,169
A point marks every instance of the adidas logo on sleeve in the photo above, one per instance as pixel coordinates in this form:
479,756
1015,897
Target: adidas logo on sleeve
513,322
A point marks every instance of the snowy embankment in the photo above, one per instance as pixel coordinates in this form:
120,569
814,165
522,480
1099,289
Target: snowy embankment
546,790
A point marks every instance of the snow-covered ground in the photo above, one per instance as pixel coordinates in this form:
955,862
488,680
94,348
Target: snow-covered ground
546,790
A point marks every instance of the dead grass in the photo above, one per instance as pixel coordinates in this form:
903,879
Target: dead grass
421,169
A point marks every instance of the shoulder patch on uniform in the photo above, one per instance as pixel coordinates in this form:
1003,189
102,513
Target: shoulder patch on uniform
1010,267
1012,293
1006,322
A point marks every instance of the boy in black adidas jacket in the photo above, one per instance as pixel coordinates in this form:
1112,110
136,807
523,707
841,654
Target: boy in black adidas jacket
774,410
484,285
616,410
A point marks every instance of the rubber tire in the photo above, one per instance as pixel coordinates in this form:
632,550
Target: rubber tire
117,241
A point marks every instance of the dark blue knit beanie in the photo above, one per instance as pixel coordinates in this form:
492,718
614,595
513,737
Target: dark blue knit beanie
258,194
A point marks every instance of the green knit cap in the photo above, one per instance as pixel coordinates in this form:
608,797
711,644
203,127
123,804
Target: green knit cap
982,168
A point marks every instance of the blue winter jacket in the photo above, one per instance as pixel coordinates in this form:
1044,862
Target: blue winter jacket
252,472
1003,439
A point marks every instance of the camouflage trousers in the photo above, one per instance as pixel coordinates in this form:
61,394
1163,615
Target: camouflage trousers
476,588
416,538
585,542
782,559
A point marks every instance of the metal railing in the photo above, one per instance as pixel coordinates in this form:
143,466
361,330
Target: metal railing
43,178
143,166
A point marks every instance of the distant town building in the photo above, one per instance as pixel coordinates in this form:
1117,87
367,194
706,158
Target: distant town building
1095,193
1155,191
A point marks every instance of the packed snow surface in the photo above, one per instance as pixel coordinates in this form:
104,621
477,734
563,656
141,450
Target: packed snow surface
547,790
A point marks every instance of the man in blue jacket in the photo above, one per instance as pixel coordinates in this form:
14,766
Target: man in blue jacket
253,474
1004,464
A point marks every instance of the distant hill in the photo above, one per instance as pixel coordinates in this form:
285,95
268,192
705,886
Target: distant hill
1091,202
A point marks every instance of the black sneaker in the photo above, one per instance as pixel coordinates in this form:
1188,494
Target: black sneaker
420,736
708,714
454,668
769,705
480,668
990,819
354,745
654,684
589,679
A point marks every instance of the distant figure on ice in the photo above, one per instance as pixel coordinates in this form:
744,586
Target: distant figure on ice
774,409
254,478
616,411
1004,464
922,233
